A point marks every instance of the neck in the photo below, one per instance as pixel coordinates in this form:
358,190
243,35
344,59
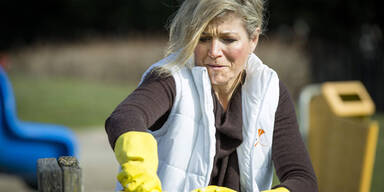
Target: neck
224,92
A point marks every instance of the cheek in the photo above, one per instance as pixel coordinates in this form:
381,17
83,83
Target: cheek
238,55
199,55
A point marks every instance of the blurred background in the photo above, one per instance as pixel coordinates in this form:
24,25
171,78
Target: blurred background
71,62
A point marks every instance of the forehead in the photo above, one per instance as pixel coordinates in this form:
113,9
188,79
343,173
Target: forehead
228,23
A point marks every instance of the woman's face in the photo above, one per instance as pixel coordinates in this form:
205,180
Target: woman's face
224,48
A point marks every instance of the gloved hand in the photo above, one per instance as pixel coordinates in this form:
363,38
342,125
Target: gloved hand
213,188
279,189
137,154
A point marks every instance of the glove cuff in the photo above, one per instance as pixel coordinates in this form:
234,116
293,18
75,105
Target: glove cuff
137,148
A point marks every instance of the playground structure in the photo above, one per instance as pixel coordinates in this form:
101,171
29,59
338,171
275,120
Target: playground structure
23,143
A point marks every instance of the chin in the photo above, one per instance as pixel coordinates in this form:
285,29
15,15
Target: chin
218,82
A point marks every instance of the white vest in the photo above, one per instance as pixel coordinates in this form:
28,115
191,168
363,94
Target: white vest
186,142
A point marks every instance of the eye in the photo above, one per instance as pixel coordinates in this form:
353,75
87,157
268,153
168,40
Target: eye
204,39
229,40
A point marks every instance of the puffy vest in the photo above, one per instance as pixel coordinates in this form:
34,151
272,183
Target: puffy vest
186,142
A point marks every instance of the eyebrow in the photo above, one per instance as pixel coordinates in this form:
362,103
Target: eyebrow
220,34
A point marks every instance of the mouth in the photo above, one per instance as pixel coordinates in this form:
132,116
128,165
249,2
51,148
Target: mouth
215,66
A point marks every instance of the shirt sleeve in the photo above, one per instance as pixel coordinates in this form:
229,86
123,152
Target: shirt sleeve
290,157
143,108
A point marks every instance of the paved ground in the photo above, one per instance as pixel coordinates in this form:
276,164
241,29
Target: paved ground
97,161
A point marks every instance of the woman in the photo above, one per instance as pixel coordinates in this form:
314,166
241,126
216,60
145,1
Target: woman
210,113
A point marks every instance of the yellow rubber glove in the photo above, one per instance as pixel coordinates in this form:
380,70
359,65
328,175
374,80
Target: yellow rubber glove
137,154
213,188
279,189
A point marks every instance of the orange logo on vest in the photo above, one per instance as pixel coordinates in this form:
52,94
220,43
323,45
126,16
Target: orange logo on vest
260,137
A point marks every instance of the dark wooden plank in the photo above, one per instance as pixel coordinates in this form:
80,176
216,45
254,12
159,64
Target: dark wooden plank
72,178
49,175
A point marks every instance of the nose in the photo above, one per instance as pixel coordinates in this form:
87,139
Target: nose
214,49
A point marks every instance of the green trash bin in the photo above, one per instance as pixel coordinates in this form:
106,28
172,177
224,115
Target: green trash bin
342,137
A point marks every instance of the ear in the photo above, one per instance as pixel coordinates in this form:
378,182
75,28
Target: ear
254,39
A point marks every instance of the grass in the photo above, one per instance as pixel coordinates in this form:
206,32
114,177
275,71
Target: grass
70,102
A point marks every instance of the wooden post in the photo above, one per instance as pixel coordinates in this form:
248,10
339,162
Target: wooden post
49,175
71,174
62,175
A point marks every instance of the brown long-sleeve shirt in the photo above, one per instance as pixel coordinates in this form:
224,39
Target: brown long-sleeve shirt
149,105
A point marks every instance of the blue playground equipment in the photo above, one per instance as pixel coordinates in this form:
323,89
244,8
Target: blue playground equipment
22,143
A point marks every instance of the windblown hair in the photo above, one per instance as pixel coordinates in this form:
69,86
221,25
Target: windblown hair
194,16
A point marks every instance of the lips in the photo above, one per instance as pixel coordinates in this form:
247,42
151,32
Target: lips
214,66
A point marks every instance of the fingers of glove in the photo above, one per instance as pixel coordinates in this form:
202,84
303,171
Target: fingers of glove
135,178
129,183
143,185
152,184
127,173
280,189
140,183
213,188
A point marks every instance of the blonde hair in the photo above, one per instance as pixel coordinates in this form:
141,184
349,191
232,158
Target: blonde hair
194,16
